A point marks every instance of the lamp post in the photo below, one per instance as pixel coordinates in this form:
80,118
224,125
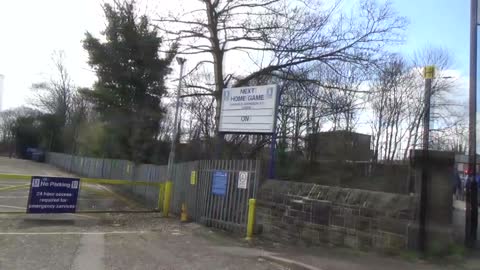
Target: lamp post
171,156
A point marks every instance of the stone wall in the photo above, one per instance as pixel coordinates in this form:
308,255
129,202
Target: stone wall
305,213
390,177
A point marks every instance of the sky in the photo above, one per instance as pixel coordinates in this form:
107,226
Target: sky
442,23
31,30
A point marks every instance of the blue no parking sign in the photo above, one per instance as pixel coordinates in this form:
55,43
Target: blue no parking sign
219,185
53,194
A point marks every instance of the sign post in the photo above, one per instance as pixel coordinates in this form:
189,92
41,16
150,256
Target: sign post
53,195
273,144
251,110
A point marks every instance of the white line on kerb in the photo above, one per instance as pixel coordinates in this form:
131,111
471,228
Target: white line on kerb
73,233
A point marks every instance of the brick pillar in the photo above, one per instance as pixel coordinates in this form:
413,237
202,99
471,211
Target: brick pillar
439,201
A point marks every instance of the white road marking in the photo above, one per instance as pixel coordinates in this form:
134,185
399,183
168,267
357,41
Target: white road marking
90,253
298,264
85,216
10,206
73,233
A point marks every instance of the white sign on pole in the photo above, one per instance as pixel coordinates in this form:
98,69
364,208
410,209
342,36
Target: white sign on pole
251,109
242,179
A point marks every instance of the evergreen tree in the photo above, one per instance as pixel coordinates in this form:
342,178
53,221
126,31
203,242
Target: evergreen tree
130,84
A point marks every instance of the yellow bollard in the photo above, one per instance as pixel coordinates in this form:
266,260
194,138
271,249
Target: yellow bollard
166,198
161,191
251,218
184,214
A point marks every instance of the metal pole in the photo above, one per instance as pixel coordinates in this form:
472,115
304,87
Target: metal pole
271,169
425,162
426,116
471,213
171,156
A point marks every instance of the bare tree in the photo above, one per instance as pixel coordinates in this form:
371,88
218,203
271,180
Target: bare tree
55,95
397,103
452,135
341,94
80,112
275,35
391,99
293,116
444,101
201,108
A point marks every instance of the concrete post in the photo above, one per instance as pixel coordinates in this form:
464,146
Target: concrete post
438,201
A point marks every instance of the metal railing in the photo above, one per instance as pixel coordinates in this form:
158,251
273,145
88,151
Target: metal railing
192,185
148,192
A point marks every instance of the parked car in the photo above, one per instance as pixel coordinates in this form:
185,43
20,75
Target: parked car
35,154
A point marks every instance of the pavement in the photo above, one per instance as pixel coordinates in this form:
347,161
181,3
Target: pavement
459,209
149,241
115,241
140,240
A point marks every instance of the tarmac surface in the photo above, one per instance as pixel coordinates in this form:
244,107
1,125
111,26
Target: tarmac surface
111,240
142,240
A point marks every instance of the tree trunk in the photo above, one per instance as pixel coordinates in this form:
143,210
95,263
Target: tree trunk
217,54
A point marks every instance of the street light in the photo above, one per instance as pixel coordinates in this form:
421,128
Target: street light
171,156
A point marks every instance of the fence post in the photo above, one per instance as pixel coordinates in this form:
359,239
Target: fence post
161,193
166,198
251,218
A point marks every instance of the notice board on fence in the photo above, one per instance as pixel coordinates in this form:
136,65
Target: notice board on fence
219,184
53,195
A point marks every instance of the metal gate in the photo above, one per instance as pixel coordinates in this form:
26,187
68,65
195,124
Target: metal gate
227,211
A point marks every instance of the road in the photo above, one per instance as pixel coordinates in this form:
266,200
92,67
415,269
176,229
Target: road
126,241
102,240
116,241
92,197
